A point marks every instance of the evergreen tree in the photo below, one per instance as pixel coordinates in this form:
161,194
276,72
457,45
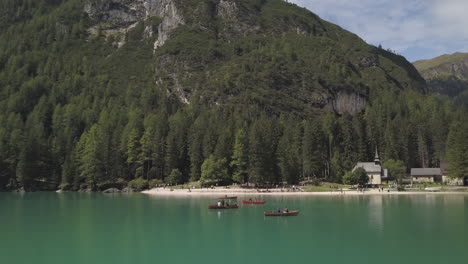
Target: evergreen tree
133,153
289,154
176,144
197,132
89,154
314,149
457,149
240,158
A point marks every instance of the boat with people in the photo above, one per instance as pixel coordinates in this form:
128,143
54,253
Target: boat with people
250,201
284,212
226,202
217,206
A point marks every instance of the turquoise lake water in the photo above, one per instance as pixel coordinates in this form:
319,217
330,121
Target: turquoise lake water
138,228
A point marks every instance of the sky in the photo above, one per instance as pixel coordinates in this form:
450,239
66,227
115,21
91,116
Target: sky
416,29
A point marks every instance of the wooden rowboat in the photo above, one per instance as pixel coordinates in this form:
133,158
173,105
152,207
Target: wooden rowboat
253,201
290,213
215,206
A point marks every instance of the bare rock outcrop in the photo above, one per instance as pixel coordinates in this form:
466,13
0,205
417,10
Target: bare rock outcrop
171,19
346,103
116,13
117,17
227,9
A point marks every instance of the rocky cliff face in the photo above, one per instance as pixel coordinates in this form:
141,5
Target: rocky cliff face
171,19
346,103
117,17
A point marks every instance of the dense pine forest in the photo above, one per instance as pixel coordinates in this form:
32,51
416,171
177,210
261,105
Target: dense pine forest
80,112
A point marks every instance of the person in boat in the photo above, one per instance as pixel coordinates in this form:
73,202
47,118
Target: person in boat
286,210
250,199
219,203
279,211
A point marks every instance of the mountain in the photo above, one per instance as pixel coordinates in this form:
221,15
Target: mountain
99,93
447,75
266,53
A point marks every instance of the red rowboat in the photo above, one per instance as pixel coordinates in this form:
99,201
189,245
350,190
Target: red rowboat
253,201
290,213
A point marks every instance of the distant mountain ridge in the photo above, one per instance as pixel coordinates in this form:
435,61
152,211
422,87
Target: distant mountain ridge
447,75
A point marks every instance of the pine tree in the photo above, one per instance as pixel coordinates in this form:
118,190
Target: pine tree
314,147
289,153
176,144
133,153
90,165
240,157
457,149
28,167
196,146
257,155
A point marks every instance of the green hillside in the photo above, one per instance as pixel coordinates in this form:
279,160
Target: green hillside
447,75
424,65
113,92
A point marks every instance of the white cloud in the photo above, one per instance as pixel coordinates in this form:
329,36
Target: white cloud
415,28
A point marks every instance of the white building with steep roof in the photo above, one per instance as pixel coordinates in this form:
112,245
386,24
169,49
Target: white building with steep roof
374,170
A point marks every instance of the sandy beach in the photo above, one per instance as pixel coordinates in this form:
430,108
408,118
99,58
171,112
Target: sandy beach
280,192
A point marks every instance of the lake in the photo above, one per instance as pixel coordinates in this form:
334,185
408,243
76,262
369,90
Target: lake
139,228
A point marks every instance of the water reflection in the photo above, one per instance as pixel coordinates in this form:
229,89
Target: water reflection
454,201
376,212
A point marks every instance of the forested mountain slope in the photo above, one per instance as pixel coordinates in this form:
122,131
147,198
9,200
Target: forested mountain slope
101,92
447,75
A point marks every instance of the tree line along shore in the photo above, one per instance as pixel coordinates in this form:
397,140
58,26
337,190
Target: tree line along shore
79,113
216,146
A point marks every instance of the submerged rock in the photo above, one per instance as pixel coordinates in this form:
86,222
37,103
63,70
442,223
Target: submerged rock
127,190
111,190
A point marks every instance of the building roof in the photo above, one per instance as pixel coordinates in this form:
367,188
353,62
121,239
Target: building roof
369,167
425,172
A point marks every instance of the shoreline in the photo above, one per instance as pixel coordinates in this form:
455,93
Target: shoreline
278,192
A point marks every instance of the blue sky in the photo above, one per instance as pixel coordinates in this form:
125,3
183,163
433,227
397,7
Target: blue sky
417,29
